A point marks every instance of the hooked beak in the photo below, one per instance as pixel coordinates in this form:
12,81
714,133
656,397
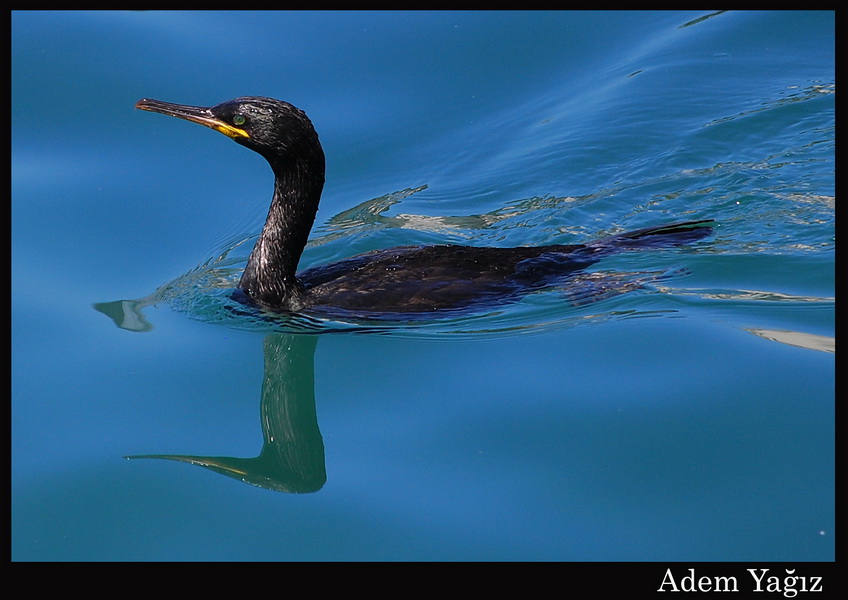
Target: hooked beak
195,114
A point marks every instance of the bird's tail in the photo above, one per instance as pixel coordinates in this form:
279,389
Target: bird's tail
663,236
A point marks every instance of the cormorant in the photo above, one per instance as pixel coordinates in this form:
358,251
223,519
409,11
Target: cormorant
401,280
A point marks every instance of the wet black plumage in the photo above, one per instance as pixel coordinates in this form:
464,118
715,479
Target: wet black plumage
408,279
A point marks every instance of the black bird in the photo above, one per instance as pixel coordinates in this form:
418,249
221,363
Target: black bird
401,280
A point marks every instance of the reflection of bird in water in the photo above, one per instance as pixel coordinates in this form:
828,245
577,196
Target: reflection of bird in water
401,280
292,456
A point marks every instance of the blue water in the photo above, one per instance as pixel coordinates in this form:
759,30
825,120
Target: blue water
686,416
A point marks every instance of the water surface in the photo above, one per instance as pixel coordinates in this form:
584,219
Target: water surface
688,418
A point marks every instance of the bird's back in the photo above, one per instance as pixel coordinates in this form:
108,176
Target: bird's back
412,279
424,279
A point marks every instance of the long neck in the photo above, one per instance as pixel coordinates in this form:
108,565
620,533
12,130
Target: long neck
270,276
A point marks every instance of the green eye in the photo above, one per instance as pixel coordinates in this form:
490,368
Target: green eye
239,120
